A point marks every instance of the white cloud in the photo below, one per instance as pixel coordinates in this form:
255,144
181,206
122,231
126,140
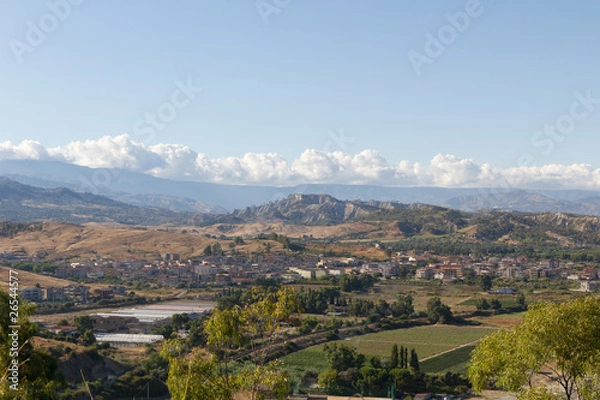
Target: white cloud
26,150
110,152
175,161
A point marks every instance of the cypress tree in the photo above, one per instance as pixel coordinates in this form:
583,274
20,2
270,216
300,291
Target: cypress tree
394,357
414,360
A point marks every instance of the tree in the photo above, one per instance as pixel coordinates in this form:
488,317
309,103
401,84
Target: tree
521,301
495,304
560,337
485,282
207,250
438,311
179,320
414,361
482,305
83,323
403,305
37,371
394,357
251,326
216,249
88,337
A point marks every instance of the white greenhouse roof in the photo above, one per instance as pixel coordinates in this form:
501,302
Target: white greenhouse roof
157,312
127,338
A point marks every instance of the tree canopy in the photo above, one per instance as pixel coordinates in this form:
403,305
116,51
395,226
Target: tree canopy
209,374
562,338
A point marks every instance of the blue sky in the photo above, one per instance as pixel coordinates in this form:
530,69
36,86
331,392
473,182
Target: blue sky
317,68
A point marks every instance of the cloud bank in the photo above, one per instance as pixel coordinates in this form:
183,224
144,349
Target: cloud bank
179,162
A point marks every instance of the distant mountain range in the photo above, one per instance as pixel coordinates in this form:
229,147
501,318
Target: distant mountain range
20,202
321,214
144,190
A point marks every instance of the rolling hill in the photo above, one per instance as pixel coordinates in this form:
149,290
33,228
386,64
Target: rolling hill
20,202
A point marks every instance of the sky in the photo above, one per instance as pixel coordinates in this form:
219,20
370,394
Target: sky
450,93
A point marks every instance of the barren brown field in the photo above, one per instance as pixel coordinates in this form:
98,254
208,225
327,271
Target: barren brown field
85,242
296,231
30,279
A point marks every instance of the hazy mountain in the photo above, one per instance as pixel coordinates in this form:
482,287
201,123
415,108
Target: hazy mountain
309,209
145,190
20,202
525,202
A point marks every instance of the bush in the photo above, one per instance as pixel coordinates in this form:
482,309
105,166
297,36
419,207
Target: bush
290,347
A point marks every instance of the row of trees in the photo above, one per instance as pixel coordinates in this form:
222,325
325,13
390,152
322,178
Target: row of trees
356,283
401,307
349,373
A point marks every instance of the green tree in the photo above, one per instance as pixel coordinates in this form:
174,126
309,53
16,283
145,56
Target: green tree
560,337
521,300
414,361
402,358
202,374
88,337
403,306
216,249
482,305
495,304
207,250
394,357
83,323
485,282
438,311
179,320
329,379
402,378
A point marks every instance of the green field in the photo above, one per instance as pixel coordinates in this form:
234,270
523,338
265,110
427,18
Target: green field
453,361
426,340
311,359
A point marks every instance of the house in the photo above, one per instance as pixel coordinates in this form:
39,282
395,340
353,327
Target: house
54,294
67,330
549,264
589,286
77,293
103,293
424,273
31,293
112,323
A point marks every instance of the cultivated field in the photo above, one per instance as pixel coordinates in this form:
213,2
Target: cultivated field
428,341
